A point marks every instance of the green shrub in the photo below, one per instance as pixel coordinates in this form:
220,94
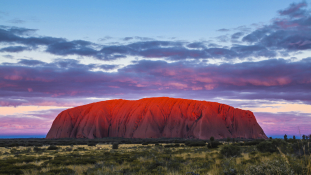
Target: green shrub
14,151
279,142
52,147
275,166
63,171
115,145
214,144
37,149
172,145
145,143
91,144
251,143
230,150
68,149
195,143
9,170
266,147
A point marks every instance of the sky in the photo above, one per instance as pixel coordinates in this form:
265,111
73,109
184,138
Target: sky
252,55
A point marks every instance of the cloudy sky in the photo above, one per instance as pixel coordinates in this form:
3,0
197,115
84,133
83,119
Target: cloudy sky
253,55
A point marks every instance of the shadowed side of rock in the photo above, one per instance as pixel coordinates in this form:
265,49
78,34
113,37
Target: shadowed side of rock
155,118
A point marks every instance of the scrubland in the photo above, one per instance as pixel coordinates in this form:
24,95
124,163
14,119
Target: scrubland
255,157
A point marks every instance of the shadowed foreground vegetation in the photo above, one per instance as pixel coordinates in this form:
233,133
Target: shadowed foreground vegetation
154,156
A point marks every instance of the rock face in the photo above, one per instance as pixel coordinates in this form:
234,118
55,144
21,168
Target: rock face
155,118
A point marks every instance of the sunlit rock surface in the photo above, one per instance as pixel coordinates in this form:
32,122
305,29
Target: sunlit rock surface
155,118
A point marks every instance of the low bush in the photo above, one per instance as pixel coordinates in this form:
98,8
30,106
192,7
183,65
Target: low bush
214,144
115,145
63,171
250,143
266,146
195,143
172,145
14,151
37,149
230,150
91,144
145,143
68,149
52,147
276,166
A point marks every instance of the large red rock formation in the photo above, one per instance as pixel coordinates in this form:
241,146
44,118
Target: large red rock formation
155,118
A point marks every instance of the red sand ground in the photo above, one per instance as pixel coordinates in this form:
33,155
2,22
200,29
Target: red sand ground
155,118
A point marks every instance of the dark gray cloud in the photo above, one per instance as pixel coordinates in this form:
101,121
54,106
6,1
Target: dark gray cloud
223,30
289,33
18,30
172,50
128,38
14,49
237,35
109,66
31,62
78,47
196,45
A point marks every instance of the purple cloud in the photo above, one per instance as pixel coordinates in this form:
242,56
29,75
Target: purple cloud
290,123
34,123
294,10
275,79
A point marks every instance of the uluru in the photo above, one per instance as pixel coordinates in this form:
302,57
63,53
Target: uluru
158,117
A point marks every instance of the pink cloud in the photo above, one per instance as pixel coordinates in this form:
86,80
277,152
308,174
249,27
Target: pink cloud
284,123
13,77
39,124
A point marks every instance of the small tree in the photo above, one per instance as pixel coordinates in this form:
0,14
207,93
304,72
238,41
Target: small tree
304,137
212,138
294,137
270,138
285,137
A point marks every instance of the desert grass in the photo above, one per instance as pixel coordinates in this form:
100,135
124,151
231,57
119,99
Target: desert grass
151,159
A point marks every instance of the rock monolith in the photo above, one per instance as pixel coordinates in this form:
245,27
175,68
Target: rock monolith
159,117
